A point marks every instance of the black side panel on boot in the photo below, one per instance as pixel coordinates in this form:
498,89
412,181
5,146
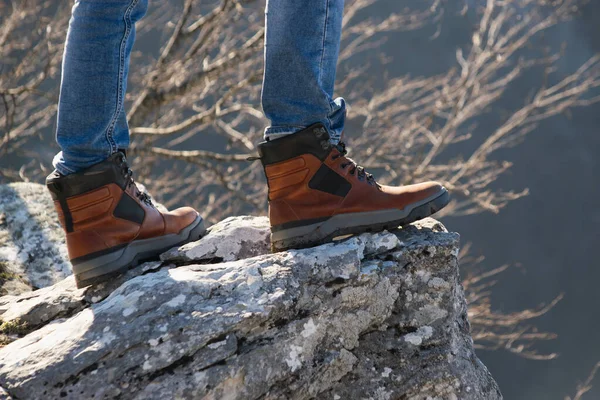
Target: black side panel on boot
312,140
129,209
326,180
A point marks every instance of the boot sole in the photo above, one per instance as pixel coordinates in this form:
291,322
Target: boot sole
102,266
354,223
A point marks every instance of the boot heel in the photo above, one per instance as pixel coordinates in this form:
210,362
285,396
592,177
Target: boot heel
99,268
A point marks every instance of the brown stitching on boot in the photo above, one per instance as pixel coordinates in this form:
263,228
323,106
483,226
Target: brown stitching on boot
285,181
92,211
77,203
284,168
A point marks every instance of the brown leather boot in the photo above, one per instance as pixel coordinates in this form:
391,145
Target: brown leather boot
317,194
110,225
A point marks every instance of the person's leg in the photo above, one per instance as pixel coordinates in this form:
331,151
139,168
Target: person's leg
110,225
91,119
316,193
301,51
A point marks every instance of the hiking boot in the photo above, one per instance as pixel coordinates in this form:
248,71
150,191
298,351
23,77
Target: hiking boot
317,194
110,225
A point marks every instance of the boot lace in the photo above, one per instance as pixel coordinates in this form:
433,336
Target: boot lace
128,174
355,168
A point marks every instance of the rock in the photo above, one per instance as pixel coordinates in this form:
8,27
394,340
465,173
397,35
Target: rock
231,239
11,283
43,305
34,309
378,316
32,243
4,395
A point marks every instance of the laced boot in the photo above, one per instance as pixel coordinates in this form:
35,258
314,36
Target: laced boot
316,193
110,225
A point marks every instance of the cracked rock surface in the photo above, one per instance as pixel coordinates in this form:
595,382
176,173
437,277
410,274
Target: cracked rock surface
377,316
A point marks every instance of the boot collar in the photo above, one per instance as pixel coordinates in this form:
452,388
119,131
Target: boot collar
312,140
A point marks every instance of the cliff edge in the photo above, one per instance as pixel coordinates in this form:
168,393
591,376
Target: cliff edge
376,316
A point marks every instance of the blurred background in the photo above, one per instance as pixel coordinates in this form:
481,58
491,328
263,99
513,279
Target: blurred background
497,99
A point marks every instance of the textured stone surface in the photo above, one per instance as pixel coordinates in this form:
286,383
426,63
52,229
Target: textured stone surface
32,243
233,238
377,316
4,395
36,308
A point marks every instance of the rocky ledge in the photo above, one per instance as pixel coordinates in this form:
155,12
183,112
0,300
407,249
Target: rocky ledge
377,316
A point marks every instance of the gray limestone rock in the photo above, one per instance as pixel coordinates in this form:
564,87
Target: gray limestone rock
4,395
377,316
36,308
232,239
32,243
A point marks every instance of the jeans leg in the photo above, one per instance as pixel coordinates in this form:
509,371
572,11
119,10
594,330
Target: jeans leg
91,117
301,51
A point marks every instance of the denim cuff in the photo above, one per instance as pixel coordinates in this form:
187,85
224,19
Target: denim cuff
59,164
282,130
334,123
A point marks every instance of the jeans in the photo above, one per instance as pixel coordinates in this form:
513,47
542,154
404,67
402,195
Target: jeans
301,51
302,45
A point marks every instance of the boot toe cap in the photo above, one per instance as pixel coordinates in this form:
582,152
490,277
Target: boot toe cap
179,219
430,188
426,191
418,190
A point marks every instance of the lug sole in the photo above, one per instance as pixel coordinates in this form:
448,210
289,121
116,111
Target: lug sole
105,267
356,223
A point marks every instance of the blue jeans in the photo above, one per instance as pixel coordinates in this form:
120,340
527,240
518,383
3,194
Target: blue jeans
301,52
302,45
